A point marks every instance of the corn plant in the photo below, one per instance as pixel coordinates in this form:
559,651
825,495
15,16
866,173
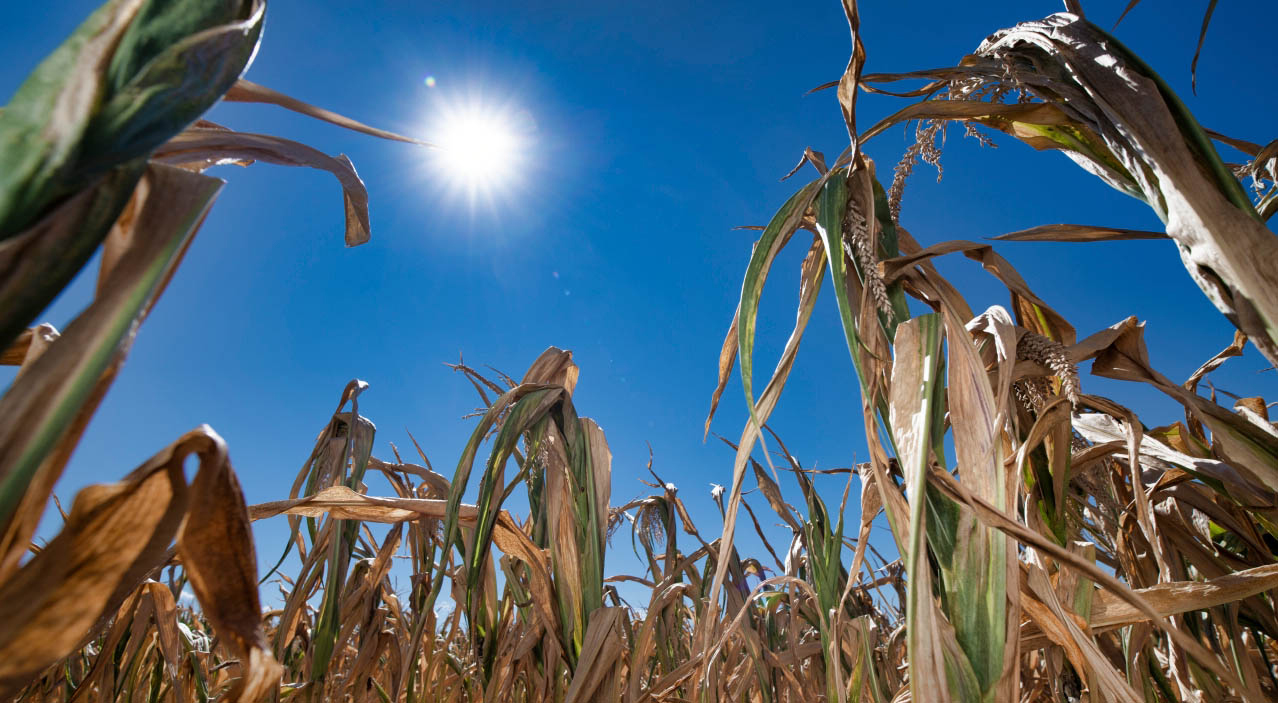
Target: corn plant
996,545
102,149
1068,552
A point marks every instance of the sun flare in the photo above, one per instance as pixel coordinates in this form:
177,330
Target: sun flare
481,146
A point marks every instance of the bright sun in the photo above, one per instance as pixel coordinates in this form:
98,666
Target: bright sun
481,146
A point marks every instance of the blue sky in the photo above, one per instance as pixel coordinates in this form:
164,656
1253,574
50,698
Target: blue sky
659,128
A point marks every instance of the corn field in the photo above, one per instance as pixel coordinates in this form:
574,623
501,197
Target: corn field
1049,546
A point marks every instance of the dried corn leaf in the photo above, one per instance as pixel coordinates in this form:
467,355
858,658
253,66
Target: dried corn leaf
1166,160
50,403
29,345
1078,233
597,675
116,535
935,673
204,145
245,91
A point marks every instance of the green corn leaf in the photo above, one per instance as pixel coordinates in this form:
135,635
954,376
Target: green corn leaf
832,206
774,238
129,78
527,411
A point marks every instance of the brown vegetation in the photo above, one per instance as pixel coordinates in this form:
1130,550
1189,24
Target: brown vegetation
1071,553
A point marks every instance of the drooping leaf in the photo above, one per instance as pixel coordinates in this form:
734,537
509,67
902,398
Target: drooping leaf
133,75
50,403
